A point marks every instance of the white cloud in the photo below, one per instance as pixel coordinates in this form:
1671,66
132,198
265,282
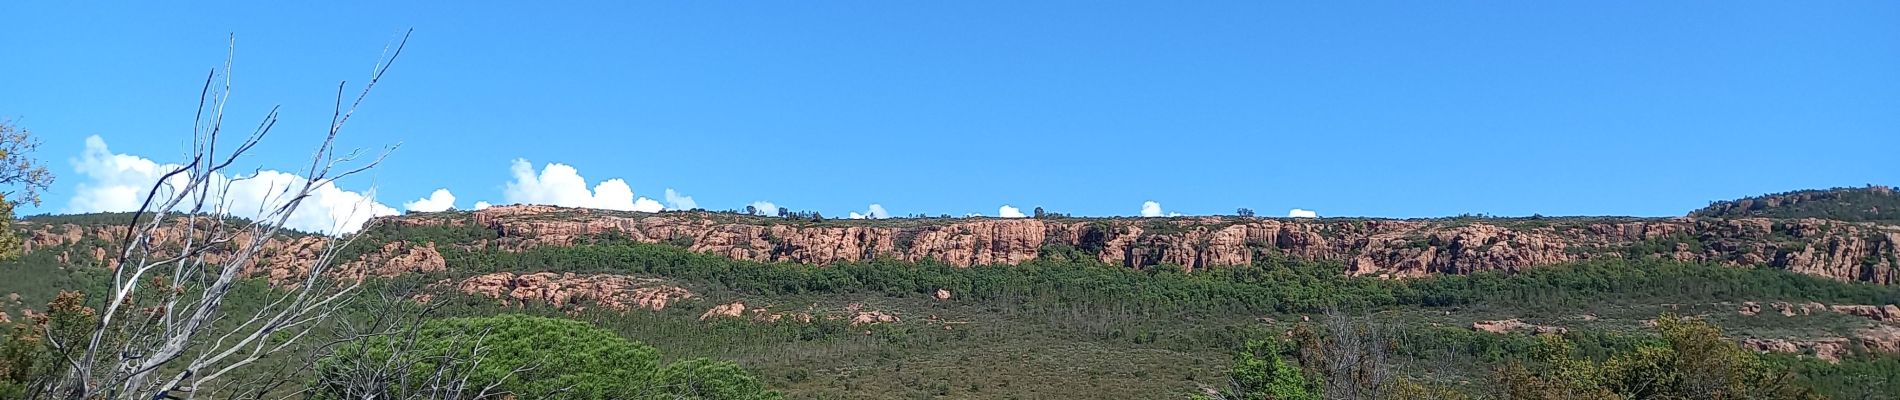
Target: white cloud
1298,213
876,211
676,201
119,182
482,205
765,208
1151,209
440,200
647,205
562,185
1009,212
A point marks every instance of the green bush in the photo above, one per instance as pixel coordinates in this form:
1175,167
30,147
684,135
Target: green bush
535,357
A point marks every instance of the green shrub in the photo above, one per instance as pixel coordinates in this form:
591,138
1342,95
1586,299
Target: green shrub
535,357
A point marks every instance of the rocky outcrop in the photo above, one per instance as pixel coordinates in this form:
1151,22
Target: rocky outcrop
859,315
730,310
1883,338
1882,313
1879,313
1826,349
281,259
567,290
855,313
759,314
396,258
1375,247
1371,247
1869,203
1515,325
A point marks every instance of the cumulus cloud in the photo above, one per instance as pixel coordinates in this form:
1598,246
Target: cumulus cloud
876,211
1009,212
119,182
765,208
1151,209
562,185
482,205
647,205
1299,213
440,200
677,201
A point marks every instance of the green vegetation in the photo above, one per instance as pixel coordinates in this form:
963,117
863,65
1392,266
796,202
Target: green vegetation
529,357
1262,371
19,174
1862,204
1693,362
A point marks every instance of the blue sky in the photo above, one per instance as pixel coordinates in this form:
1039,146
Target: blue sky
1396,109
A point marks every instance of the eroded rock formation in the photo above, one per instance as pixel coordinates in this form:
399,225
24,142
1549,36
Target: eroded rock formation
1826,349
1394,248
1838,250
282,259
567,290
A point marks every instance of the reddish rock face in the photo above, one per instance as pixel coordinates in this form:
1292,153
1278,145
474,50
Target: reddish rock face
1369,247
567,290
1825,349
1390,248
1884,338
281,260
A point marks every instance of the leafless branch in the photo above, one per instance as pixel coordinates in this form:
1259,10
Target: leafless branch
163,331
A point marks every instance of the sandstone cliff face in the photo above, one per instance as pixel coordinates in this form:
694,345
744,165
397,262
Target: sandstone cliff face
1391,248
567,290
1371,247
282,259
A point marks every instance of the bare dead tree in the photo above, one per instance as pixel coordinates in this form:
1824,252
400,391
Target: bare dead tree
1351,354
164,331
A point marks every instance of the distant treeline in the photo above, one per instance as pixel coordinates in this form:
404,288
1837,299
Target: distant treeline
1872,203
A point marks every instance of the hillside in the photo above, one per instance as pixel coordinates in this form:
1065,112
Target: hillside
1872,203
1366,247
1103,307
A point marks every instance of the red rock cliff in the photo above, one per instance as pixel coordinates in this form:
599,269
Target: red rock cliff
1396,248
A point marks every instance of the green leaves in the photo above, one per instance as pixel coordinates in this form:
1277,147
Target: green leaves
537,357
1694,362
1261,372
